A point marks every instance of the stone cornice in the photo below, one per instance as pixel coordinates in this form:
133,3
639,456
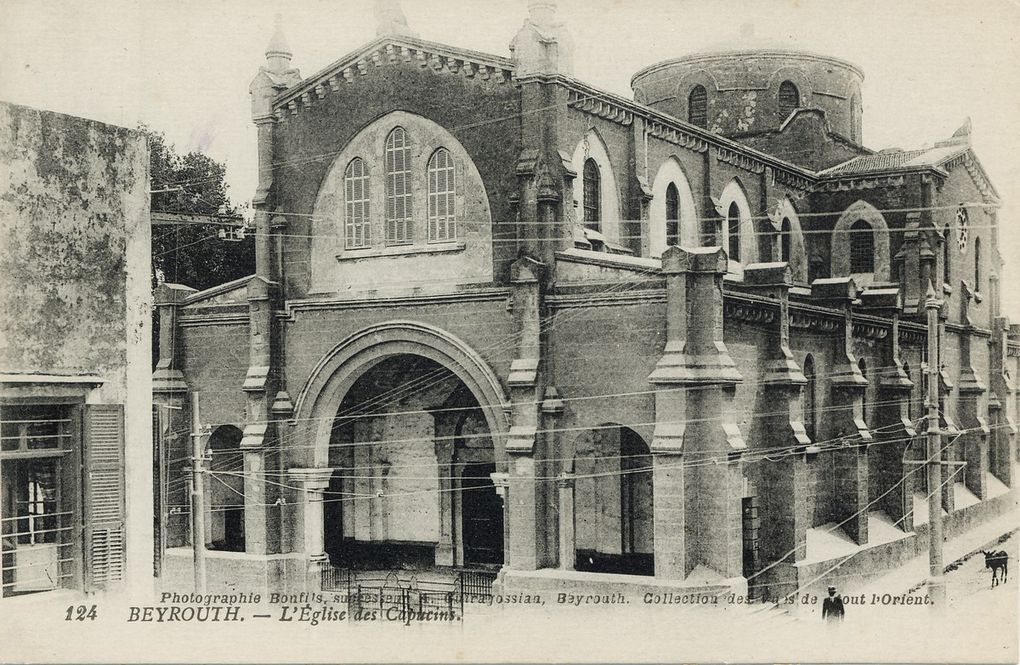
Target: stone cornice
292,307
386,50
213,319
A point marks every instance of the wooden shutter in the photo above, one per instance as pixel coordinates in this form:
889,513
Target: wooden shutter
104,495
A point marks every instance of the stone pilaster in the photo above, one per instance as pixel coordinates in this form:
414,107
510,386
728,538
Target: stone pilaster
701,502
846,421
524,511
1001,406
567,544
444,464
971,390
891,488
950,431
501,481
312,484
167,378
782,481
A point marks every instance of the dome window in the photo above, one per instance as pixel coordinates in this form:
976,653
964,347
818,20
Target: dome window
789,98
697,106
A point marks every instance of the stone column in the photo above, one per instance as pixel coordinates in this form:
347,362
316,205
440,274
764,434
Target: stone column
312,484
565,483
701,421
847,417
444,459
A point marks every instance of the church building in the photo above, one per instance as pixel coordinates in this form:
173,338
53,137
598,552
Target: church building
505,320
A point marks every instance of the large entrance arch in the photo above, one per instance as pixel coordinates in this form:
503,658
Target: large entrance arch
413,423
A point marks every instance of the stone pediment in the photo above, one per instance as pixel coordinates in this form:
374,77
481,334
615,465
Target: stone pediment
230,293
393,49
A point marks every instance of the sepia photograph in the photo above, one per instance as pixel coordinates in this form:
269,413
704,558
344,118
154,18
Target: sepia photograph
509,331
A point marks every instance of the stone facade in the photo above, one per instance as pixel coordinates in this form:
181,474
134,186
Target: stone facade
75,307
559,375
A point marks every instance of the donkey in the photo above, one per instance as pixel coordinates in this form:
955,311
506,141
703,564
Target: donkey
996,561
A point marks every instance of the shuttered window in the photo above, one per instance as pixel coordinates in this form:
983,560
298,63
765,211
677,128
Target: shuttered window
672,215
104,494
697,106
789,98
356,220
442,194
398,188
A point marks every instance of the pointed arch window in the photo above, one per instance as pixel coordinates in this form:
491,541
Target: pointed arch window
442,193
810,390
592,195
697,106
947,260
785,239
789,98
862,247
977,264
672,215
733,228
356,224
398,188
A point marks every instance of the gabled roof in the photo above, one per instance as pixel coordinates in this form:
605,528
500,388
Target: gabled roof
395,46
899,160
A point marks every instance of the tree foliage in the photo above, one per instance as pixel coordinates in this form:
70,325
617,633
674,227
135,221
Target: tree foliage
192,255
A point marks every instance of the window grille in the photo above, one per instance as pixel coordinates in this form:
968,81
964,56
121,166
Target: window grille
697,106
592,195
862,247
356,223
789,98
398,188
733,227
442,197
672,215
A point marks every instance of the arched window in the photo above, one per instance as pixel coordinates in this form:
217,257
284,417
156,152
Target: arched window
398,188
862,247
697,106
786,239
947,260
442,197
672,215
733,227
356,224
810,390
592,195
977,264
863,366
789,98
855,118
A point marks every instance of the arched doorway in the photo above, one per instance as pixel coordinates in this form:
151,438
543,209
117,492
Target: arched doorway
613,502
413,453
226,490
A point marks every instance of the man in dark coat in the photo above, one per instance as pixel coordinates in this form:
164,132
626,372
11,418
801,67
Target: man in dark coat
832,607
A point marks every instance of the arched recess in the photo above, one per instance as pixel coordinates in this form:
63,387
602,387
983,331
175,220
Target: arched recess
613,501
593,147
334,264
226,490
786,212
734,193
338,370
672,173
861,210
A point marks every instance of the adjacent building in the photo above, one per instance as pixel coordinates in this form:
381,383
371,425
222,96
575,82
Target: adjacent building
76,462
503,318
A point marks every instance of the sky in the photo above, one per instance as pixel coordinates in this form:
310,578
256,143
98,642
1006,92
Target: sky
183,67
